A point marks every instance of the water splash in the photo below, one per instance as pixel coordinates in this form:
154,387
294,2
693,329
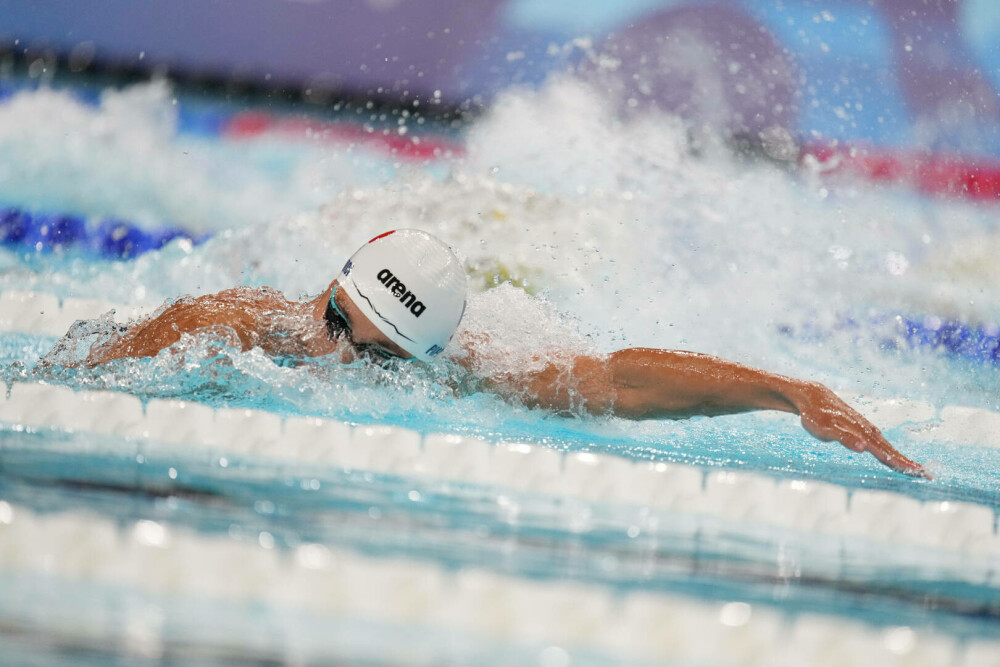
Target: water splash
125,158
630,232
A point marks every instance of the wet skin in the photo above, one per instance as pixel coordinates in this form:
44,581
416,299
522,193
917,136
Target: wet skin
261,318
634,383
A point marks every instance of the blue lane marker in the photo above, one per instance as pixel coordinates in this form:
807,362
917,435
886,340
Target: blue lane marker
979,343
952,337
108,238
202,121
7,91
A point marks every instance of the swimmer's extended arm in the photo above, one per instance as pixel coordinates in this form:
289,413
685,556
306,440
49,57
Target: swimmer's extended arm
642,383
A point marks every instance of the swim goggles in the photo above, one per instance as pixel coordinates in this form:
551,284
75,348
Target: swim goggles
338,326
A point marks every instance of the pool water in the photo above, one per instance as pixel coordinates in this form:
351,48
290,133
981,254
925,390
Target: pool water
614,234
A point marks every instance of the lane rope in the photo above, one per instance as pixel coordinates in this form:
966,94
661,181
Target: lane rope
107,238
179,429
979,343
168,561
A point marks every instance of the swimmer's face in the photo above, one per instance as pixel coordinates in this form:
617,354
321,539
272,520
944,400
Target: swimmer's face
363,335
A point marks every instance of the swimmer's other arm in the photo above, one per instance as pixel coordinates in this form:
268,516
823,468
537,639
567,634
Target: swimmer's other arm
231,313
643,383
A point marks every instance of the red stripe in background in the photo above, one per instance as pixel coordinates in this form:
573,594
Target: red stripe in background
417,148
977,179
972,178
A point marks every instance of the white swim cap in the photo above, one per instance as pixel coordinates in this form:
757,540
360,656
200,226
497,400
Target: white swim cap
411,286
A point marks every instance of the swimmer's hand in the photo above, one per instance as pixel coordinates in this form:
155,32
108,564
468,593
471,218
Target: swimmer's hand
827,417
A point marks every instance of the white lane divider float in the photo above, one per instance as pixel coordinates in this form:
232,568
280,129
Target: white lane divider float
46,315
161,560
179,428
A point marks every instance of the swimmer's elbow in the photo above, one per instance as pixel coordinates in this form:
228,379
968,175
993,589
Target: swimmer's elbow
581,386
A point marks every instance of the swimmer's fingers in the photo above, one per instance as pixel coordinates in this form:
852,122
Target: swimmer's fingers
829,418
865,436
861,440
890,456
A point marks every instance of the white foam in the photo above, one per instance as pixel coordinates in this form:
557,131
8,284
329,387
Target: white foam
124,158
965,425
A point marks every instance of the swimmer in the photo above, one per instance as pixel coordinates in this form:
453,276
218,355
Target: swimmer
402,295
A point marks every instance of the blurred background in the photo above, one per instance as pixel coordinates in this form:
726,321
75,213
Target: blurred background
884,74
809,186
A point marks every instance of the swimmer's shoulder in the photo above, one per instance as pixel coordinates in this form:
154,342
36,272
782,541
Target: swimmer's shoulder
266,298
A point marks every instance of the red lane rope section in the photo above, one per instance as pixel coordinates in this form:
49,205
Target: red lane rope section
417,148
966,177
972,178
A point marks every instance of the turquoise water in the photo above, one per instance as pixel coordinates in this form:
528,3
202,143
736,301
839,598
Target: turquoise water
625,235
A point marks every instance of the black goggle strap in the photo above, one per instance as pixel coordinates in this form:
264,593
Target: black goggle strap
337,325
